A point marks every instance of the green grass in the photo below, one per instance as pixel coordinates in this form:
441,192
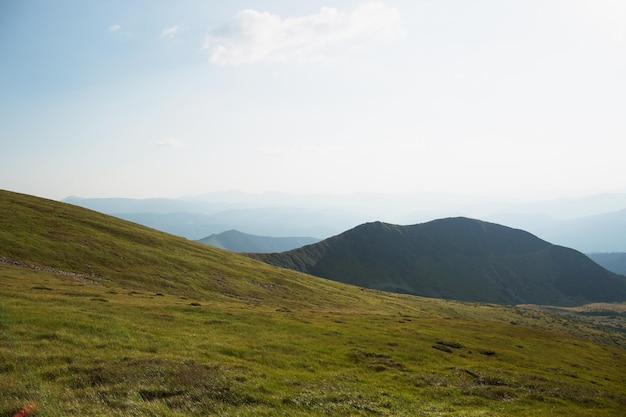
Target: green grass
167,327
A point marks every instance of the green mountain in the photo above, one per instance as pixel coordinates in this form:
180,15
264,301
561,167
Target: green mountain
103,317
457,258
236,241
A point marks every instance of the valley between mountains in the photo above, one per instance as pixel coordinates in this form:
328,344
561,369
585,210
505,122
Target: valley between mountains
456,317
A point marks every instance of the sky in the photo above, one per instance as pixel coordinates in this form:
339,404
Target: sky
129,98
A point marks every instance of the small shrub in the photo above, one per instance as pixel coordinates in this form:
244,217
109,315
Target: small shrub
158,393
453,345
442,348
377,361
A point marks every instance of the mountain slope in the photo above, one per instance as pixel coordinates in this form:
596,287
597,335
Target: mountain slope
102,317
70,238
236,241
457,258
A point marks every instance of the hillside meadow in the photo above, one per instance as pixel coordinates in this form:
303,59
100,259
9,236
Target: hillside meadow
101,317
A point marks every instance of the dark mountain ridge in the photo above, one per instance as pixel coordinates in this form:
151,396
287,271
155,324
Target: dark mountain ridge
457,258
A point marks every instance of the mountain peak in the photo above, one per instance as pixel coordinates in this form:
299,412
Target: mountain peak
459,258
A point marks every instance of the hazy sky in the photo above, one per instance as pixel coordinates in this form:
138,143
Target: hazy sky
151,98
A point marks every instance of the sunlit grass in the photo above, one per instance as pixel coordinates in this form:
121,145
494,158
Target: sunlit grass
79,349
167,327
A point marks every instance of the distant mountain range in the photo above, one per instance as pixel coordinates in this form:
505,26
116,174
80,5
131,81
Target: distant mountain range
604,232
593,224
196,219
113,318
456,258
236,241
614,262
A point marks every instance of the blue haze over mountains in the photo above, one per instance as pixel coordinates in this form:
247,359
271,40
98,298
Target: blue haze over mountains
591,224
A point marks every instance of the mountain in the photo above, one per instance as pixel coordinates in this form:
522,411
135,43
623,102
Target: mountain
600,233
614,261
49,236
236,241
592,224
456,258
188,225
569,208
103,317
604,232
195,219
287,221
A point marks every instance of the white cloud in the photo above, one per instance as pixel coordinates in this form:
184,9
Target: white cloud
170,32
171,143
115,28
257,36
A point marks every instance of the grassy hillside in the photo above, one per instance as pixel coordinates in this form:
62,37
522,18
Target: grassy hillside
457,258
100,317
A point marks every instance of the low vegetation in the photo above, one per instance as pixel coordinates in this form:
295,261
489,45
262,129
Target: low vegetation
99,317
